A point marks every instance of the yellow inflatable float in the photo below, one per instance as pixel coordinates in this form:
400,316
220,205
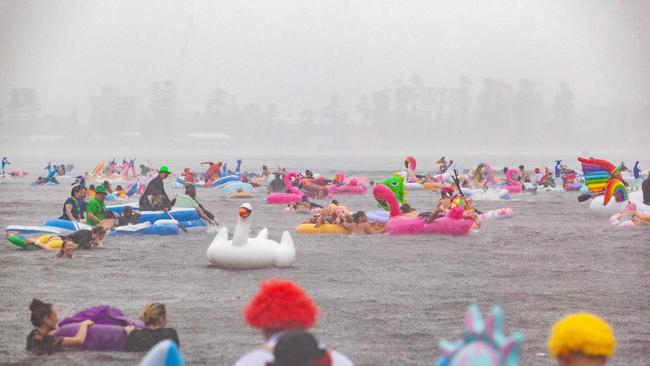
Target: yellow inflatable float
322,229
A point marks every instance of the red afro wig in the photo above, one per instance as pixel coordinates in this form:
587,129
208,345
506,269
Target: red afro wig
281,305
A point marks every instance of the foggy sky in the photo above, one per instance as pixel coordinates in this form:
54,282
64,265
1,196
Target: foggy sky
293,54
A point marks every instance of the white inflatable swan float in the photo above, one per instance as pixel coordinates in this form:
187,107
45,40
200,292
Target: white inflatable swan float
243,252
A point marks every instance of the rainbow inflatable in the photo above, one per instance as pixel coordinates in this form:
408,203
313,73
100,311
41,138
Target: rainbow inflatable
615,188
597,174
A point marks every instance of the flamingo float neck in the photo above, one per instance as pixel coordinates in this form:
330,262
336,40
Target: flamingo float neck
287,182
410,163
509,177
383,193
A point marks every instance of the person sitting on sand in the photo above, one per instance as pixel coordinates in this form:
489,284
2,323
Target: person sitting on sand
188,200
581,339
154,317
42,339
279,307
129,217
361,225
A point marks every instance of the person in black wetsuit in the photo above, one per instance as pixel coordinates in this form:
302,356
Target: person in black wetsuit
154,317
156,186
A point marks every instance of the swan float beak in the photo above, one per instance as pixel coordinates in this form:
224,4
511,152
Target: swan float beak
245,210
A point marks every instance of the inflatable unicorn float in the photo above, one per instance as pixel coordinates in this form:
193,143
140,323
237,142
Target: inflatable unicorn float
483,343
243,252
604,182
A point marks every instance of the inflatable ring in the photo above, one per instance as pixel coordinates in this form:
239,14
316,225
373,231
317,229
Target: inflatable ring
322,229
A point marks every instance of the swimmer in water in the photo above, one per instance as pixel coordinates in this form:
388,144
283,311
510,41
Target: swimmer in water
361,225
42,339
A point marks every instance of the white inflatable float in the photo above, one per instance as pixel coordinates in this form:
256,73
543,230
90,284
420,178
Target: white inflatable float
596,205
243,252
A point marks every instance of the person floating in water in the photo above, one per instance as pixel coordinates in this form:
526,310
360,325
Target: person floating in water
5,162
154,317
42,340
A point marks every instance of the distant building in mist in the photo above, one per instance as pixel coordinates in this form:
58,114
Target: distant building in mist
112,110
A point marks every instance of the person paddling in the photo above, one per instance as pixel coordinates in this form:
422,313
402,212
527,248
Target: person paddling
156,186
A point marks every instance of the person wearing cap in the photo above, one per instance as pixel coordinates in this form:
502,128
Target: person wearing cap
645,186
581,339
96,207
156,186
277,184
279,307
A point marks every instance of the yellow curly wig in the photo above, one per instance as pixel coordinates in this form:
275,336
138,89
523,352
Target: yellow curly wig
583,333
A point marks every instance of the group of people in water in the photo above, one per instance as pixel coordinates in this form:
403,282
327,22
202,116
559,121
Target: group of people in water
283,312
93,212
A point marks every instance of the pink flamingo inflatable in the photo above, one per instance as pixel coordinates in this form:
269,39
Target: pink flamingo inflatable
402,225
411,165
513,185
352,186
280,198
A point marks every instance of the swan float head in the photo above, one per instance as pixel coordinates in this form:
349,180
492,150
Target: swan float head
243,252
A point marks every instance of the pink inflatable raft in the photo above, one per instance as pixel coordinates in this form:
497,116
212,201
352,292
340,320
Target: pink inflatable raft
512,185
347,186
453,224
284,198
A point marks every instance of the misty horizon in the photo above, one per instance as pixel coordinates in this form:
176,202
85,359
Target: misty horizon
507,72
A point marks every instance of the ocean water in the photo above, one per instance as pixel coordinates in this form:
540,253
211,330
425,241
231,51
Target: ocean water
383,300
